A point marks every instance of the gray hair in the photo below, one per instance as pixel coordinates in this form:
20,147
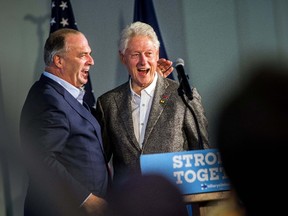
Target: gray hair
136,29
55,44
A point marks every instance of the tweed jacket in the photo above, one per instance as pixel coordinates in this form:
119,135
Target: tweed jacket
170,127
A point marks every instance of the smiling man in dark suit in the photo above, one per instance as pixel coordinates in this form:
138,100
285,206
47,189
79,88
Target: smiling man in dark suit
68,172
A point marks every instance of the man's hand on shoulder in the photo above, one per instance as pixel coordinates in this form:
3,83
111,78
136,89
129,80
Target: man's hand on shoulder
164,67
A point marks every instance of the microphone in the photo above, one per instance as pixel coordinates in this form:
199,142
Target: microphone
183,78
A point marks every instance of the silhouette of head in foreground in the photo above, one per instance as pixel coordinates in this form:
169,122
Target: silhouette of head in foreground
252,134
147,195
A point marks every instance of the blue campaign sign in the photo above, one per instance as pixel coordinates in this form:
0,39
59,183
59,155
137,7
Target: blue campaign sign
197,171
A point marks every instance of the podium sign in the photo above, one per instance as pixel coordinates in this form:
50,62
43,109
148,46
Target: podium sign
197,171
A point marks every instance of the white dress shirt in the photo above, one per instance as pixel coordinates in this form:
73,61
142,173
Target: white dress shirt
141,106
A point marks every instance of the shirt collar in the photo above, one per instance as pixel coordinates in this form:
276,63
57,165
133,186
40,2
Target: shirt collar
77,93
149,89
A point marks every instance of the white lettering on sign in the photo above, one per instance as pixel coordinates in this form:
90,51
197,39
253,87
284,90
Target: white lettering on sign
201,175
197,160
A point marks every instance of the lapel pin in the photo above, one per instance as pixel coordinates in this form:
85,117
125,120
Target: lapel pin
163,99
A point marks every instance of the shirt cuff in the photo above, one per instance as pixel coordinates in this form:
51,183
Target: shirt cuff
85,200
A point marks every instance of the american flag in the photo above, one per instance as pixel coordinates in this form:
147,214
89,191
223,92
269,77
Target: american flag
62,17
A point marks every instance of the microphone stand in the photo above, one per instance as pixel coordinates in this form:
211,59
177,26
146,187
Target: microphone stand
181,94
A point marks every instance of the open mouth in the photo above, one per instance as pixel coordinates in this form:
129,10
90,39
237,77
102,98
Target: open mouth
85,74
143,71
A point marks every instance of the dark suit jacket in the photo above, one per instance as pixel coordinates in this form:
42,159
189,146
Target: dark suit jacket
62,140
170,127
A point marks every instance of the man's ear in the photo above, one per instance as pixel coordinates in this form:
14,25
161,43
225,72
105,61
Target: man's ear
57,61
122,58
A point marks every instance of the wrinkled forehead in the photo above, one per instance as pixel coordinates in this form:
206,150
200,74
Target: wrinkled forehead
141,44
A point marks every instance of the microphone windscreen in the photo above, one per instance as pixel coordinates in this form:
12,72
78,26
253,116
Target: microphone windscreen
179,61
